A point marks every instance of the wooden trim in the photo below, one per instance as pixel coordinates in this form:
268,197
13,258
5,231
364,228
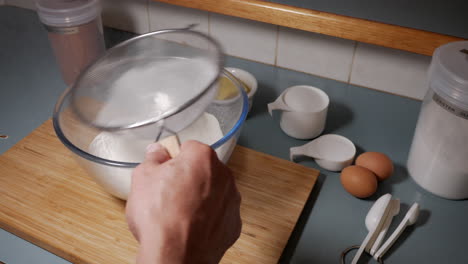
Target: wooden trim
408,39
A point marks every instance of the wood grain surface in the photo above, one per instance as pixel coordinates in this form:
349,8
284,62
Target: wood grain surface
47,199
391,36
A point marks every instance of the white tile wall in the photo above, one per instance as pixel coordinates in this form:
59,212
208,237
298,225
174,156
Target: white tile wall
315,53
165,16
390,70
128,15
245,38
29,4
361,64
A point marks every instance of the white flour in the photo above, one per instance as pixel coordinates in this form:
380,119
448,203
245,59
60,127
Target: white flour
438,159
130,148
149,89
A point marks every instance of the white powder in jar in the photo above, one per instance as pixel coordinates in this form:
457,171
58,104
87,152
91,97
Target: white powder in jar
438,158
131,148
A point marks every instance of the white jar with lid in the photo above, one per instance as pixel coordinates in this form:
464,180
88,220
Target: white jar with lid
438,158
75,33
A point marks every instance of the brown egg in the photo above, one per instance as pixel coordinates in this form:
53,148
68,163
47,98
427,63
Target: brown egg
378,163
358,181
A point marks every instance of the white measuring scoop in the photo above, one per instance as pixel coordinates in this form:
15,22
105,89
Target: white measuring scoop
394,209
410,219
377,216
331,152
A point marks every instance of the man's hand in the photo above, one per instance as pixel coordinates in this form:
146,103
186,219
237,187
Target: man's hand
185,209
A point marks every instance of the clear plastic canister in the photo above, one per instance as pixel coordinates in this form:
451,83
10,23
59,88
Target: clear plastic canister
75,33
438,158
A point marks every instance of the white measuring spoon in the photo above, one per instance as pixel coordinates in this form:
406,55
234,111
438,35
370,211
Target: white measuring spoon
410,219
393,211
331,152
378,212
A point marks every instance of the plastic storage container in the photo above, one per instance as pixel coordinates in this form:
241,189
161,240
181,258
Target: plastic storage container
75,33
438,159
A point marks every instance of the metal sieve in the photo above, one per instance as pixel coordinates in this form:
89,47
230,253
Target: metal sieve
167,77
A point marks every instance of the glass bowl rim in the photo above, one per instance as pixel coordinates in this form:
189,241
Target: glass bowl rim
84,154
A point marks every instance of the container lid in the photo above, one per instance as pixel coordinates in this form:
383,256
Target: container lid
448,73
67,13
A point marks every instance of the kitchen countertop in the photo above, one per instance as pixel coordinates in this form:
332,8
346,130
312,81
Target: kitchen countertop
332,219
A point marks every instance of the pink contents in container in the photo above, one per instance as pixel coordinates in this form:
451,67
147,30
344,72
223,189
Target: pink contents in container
75,33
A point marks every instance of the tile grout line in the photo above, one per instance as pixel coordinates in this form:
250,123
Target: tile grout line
275,63
352,62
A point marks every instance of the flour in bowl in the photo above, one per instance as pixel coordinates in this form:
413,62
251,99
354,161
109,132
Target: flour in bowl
131,148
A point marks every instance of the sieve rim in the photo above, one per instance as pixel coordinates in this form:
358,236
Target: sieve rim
121,164
220,62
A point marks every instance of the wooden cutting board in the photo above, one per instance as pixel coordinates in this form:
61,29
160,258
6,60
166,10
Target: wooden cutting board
47,199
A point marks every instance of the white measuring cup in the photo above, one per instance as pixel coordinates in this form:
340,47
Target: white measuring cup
304,111
331,152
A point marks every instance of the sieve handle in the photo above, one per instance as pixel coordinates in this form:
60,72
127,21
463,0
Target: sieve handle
172,145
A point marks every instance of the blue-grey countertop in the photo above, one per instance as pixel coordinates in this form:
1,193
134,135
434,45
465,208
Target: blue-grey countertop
332,219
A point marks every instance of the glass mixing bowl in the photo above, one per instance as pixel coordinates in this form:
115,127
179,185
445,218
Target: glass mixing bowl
93,146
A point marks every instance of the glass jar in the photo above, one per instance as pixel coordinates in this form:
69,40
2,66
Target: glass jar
438,158
75,33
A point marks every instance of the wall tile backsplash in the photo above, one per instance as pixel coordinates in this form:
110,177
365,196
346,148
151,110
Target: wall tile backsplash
390,70
245,38
375,67
165,16
315,53
128,15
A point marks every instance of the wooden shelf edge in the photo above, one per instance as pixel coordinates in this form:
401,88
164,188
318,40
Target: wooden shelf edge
391,36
